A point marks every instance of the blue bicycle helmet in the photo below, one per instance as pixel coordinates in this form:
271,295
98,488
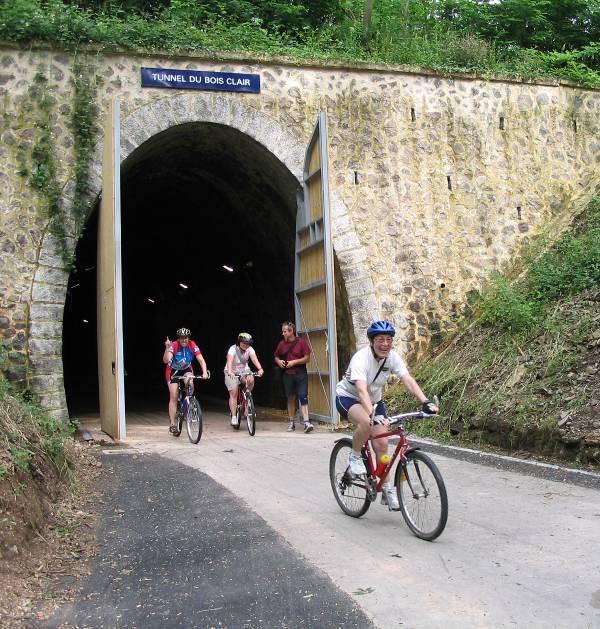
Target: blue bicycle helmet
380,327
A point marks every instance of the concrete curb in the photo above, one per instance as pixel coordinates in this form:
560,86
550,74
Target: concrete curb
547,471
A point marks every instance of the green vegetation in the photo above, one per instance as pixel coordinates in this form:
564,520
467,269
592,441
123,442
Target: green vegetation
85,134
522,38
31,442
571,266
43,174
529,357
41,170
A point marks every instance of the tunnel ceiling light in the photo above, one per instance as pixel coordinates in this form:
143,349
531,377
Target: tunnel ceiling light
150,300
85,320
228,268
183,285
74,286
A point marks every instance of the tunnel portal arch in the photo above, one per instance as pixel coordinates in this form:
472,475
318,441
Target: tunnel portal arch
177,112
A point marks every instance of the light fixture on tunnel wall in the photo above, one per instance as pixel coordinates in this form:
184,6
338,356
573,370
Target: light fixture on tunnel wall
150,300
228,268
185,286
85,320
249,264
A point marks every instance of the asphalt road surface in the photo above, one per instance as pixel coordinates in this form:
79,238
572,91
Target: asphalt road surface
179,550
518,550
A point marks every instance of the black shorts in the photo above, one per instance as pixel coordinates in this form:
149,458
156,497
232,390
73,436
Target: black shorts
296,384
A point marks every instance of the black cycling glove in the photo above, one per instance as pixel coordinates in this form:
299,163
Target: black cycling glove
429,408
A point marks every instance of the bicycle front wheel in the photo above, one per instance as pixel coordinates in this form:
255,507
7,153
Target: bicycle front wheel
194,420
422,495
351,493
250,415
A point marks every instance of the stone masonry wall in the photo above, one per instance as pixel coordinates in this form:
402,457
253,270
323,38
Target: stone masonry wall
435,181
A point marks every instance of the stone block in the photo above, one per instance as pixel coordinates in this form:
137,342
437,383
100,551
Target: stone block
346,242
52,275
16,373
359,288
48,293
45,347
46,312
182,108
52,401
355,273
45,384
50,254
42,364
46,329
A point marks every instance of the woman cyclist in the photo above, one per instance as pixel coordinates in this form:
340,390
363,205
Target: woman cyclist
178,358
361,389
238,356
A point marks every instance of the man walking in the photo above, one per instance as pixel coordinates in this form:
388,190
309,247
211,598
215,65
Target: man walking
291,356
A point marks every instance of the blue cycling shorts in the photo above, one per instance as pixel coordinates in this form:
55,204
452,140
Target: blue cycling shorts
344,404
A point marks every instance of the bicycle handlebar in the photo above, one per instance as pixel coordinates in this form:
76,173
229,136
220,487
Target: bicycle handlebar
397,419
239,376
192,377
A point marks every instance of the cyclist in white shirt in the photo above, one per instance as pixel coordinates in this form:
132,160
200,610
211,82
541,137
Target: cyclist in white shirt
361,390
238,356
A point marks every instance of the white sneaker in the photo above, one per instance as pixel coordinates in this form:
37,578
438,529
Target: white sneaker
389,497
235,422
291,427
356,464
308,427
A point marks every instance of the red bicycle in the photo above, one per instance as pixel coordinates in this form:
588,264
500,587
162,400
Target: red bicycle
245,403
419,483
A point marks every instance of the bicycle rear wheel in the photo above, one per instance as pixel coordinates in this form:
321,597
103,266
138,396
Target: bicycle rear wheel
250,415
351,493
194,420
422,495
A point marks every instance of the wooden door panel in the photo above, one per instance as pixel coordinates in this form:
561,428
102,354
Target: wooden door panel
314,281
109,305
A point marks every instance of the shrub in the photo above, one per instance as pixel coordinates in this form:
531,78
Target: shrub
28,435
504,304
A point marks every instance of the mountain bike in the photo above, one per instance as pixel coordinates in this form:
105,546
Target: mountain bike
418,481
188,408
245,403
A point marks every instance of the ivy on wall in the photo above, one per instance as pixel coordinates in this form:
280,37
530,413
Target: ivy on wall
85,134
43,173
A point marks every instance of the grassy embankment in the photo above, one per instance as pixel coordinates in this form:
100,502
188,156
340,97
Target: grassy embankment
523,373
34,466
422,39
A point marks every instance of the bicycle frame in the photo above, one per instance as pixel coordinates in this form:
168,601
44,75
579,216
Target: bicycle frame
400,451
186,389
241,392
241,396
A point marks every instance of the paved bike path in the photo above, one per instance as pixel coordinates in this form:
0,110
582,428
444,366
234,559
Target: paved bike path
179,550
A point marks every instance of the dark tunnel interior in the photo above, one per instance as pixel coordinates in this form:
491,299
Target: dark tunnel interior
195,198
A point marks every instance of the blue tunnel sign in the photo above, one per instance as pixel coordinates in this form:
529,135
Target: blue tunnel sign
200,80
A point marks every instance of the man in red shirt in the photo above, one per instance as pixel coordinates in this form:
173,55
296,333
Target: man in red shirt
291,355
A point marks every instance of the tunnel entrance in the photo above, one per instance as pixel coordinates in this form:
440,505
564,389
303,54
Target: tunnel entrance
197,200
